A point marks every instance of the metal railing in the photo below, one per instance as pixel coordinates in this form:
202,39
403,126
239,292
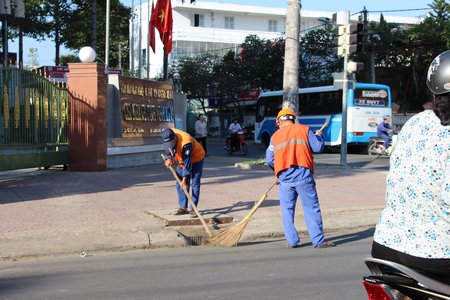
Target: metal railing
33,114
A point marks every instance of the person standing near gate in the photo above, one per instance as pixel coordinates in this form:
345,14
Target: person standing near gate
201,131
187,154
290,156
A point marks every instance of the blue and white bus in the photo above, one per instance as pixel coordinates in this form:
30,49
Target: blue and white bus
367,104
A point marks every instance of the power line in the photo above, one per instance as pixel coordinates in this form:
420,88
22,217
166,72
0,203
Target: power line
397,10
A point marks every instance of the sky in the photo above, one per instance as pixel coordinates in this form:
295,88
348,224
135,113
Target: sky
409,8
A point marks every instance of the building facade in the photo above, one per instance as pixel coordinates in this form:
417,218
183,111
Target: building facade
218,27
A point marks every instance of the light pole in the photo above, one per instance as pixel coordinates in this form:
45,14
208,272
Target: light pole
176,82
107,38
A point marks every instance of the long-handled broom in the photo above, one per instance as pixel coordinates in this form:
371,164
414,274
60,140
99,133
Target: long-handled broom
190,199
229,237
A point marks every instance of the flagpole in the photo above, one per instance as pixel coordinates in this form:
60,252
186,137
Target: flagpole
140,39
165,63
132,41
148,40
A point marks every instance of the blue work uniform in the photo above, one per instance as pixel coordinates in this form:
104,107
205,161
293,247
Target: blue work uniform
190,171
382,132
299,181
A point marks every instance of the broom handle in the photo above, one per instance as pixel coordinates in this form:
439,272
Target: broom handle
258,203
323,127
189,198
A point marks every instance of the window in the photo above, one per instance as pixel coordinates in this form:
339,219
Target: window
321,103
197,20
229,22
144,57
273,26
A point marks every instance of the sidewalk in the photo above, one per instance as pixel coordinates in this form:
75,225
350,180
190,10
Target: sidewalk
50,212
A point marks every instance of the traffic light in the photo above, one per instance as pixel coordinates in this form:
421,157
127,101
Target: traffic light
348,39
340,40
355,34
353,66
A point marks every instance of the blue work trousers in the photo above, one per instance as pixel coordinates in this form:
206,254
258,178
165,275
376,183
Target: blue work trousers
386,139
196,175
288,194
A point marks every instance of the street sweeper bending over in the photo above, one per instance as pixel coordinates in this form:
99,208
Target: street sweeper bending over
187,154
290,155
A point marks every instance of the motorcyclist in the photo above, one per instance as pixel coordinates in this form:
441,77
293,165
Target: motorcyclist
384,130
234,128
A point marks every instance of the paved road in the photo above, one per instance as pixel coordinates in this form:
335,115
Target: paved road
258,270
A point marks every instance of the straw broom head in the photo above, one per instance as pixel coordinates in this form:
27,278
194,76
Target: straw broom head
229,237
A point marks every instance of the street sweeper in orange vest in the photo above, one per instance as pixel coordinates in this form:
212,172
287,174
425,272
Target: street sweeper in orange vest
290,155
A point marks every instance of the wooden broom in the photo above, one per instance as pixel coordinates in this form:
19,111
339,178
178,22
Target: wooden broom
190,199
229,237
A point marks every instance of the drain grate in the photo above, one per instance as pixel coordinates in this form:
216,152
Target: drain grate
196,240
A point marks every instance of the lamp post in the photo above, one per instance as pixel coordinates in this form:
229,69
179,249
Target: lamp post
177,82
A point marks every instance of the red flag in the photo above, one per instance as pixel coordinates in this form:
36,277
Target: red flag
152,30
162,20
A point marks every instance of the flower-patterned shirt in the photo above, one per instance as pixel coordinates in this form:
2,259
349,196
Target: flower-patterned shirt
416,219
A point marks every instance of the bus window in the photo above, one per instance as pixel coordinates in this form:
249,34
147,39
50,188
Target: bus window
320,103
268,107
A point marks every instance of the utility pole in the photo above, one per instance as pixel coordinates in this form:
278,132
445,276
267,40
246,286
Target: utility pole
349,40
290,72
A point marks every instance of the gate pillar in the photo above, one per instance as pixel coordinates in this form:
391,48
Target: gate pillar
87,137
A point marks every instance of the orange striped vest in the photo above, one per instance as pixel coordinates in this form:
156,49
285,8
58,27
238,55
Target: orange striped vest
291,148
184,138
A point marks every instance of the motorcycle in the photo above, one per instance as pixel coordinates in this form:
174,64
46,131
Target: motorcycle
393,281
239,144
376,148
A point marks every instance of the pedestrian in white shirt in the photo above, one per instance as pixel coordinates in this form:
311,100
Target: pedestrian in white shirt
201,131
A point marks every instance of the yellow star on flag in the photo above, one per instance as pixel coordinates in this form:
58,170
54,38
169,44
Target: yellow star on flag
161,16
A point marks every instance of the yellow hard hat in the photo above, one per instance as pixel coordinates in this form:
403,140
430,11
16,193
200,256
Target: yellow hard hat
287,114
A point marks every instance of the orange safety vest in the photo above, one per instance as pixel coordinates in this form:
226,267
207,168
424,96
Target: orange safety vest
184,138
291,148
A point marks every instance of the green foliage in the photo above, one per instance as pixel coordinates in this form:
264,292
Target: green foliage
317,61
79,34
33,58
67,59
402,56
69,23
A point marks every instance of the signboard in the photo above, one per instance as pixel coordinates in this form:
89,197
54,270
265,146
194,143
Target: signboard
338,80
371,97
12,58
53,73
147,107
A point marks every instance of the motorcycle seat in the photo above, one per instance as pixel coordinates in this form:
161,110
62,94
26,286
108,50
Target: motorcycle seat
374,265
377,139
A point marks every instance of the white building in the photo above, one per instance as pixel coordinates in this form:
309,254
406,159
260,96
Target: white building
208,26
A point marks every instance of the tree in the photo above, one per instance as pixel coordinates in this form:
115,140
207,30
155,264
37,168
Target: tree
402,56
80,34
32,58
54,16
317,61
197,76
261,62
